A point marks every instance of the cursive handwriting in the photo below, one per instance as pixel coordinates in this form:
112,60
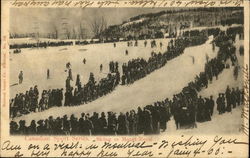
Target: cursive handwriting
219,140
245,109
136,153
75,153
104,153
141,145
8,146
39,153
189,142
190,146
128,3
62,146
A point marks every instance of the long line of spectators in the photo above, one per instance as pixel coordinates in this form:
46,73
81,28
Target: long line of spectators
152,119
189,98
84,93
138,68
186,107
27,102
91,90
41,44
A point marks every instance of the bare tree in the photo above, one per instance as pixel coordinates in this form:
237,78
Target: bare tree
68,33
73,33
55,31
81,31
98,25
65,28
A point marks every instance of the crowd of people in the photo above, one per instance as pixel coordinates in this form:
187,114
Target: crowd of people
138,68
148,26
113,67
16,51
23,103
40,45
152,119
84,93
188,98
186,107
230,99
30,102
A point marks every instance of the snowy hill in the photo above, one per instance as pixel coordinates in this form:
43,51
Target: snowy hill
155,25
163,83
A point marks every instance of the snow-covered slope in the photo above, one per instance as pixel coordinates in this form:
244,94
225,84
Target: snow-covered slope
35,62
161,84
157,86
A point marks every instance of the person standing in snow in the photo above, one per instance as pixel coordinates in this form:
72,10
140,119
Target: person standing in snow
70,75
238,96
68,84
101,68
233,98
145,43
126,52
219,104
84,61
223,103
48,75
228,99
123,126
236,72
136,43
68,65
211,105
20,77
77,80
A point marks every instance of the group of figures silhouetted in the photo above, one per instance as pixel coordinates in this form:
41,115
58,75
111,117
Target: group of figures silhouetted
152,119
29,102
138,68
40,45
83,93
185,107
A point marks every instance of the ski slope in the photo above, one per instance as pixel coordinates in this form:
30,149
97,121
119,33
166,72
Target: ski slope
160,84
228,123
35,62
163,83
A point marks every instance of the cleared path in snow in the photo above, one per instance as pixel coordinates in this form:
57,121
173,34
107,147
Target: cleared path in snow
228,123
35,62
160,84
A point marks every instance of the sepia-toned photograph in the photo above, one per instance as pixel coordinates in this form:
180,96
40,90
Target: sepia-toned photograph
126,71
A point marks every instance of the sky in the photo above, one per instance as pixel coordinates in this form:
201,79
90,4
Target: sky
27,20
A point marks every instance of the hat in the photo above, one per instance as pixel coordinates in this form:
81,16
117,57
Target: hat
82,114
72,116
40,122
12,123
103,114
20,121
